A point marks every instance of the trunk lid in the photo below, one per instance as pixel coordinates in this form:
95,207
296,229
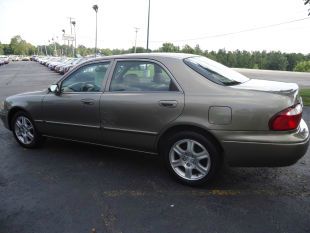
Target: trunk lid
290,90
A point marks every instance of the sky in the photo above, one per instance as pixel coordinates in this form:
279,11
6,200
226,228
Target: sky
180,22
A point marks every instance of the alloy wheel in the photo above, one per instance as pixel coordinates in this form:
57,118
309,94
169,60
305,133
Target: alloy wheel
24,130
190,159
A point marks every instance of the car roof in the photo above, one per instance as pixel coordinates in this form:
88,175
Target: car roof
147,56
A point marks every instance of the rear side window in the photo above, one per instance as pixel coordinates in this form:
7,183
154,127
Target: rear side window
215,71
141,76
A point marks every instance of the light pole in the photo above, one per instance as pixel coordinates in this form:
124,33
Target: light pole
70,18
63,37
45,49
148,27
74,49
56,42
136,30
95,7
55,49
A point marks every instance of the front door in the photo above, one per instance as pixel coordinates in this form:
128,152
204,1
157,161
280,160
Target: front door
141,99
75,112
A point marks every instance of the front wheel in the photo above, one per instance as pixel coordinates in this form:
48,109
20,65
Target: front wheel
24,130
191,158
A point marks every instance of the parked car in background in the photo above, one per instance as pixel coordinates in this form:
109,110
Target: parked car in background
60,64
16,58
59,67
51,60
4,60
43,60
74,63
25,58
56,61
194,112
33,57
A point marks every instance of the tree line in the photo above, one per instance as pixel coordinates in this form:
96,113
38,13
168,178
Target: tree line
273,60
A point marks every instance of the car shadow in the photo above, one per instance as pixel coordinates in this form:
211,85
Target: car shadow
114,169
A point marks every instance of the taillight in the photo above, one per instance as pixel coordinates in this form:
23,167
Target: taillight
288,119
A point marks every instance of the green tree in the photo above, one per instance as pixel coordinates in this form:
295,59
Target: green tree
106,52
140,50
293,59
169,47
7,49
198,50
132,50
303,66
18,45
242,59
118,51
231,59
221,56
276,61
187,49
21,47
1,49
211,55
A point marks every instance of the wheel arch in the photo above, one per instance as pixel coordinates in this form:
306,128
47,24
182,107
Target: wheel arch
12,112
187,127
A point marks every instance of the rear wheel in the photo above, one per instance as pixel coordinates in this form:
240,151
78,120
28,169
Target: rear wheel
191,158
24,130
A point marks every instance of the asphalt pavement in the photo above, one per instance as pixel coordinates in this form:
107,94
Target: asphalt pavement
70,187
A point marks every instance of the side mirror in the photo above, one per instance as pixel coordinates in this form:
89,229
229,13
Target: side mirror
54,88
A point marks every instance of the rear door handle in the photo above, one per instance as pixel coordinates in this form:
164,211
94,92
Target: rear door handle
168,103
88,101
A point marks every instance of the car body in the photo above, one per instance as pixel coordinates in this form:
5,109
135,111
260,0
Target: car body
26,58
49,60
53,62
33,57
181,106
60,66
43,60
4,60
15,58
74,63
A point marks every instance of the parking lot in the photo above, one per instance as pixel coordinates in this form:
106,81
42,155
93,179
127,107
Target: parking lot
71,187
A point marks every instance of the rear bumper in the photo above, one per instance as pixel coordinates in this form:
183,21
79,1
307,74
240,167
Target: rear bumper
267,149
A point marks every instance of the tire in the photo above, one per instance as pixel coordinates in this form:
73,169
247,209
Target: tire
191,158
24,130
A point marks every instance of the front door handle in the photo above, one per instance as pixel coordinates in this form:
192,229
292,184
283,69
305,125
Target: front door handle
88,101
168,103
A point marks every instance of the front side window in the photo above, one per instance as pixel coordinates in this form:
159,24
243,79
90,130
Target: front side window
141,76
88,78
215,71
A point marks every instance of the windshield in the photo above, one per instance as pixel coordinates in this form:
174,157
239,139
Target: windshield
215,71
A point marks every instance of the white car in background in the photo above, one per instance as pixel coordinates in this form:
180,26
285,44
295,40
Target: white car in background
26,58
4,60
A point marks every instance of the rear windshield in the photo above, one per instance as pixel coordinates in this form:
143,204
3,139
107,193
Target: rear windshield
215,71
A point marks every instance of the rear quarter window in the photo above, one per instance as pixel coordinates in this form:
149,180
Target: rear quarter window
215,71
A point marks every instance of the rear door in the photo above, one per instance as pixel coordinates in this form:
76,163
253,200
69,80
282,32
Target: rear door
140,99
